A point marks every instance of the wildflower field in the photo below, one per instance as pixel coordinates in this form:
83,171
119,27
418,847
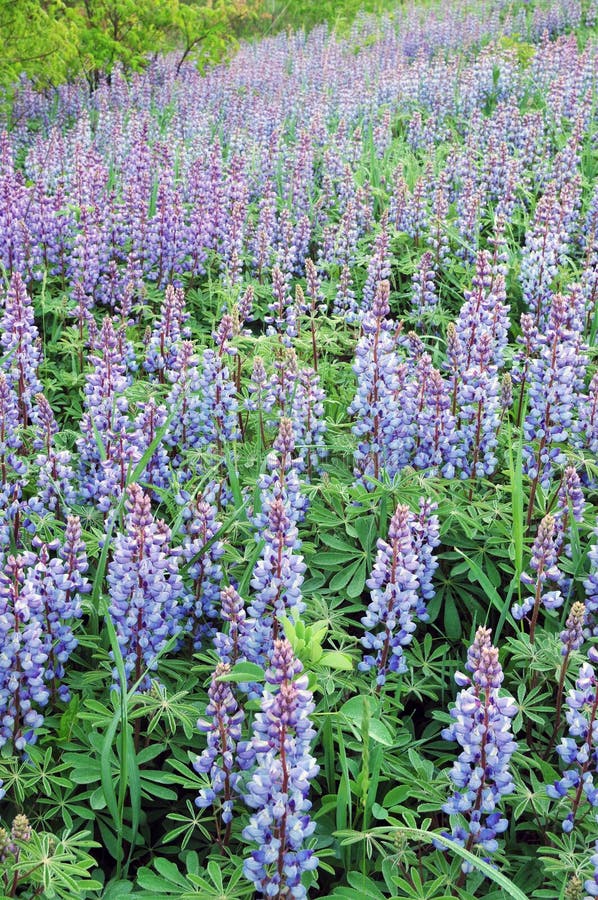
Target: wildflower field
298,433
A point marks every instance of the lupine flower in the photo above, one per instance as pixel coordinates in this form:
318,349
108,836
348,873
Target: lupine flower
55,477
281,481
591,884
579,751
167,332
482,727
279,784
24,651
572,636
543,562
383,424
203,569
403,563
307,416
570,505
218,760
21,345
145,589
423,296
217,420
555,377
105,420
277,579
591,588
283,315
235,645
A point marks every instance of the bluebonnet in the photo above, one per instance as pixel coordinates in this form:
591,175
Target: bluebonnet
482,727
579,751
435,436
479,412
279,784
145,589
223,726
399,584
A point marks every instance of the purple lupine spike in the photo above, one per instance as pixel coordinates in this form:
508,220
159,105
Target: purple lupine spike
481,774
570,505
279,785
572,636
168,331
281,481
277,579
23,654
478,398
203,569
424,297
185,430
105,420
56,478
217,412
307,415
148,422
283,317
344,302
395,589
591,884
54,587
11,467
591,589
383,424
435,435
539,260
579,751
21,345
218,760
145,590
555,380
543,562
586,427
235,645
379,264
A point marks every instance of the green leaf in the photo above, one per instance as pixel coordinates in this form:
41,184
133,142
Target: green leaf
334,659
243,672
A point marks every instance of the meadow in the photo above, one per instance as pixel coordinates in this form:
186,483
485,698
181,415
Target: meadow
298,477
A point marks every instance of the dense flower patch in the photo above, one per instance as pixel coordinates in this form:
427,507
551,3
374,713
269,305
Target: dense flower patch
298,430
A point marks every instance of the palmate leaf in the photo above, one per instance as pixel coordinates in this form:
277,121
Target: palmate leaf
428,837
